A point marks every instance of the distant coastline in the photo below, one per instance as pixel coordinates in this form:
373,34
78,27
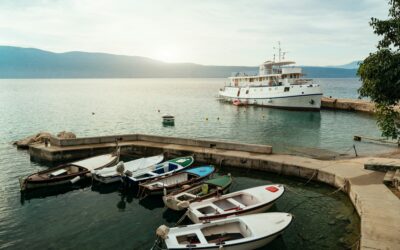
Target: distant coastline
20,63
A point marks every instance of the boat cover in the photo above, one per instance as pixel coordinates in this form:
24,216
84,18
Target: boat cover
221,181
132,166
95,162
201,171
183,161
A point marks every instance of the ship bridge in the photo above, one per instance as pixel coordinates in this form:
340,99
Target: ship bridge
271,67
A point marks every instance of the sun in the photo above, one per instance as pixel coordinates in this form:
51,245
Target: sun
167,54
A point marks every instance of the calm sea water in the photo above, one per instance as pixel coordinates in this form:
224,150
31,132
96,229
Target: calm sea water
89,217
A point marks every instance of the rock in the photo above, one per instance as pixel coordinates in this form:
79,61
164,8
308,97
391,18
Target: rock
38,138
340,217
332,222
66,135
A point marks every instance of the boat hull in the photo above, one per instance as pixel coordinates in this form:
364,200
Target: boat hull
240,246
299,98
108,179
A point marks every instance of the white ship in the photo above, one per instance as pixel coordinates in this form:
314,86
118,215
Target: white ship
277,85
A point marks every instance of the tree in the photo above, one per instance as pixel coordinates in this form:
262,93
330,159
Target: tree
380,71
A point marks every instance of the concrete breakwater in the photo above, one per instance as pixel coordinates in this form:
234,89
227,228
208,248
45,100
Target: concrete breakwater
349,105
377,206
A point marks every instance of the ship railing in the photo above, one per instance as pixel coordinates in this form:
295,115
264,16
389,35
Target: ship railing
301,81
239,74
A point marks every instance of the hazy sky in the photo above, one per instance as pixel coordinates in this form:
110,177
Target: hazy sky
218,32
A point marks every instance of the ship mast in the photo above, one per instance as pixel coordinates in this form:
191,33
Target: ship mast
279,51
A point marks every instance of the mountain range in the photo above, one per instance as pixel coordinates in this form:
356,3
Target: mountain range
17,62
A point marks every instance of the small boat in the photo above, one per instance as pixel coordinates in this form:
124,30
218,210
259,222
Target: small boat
168,120
164,168
168,183
248,201
68,173
180,199
114,174
236,102
244,232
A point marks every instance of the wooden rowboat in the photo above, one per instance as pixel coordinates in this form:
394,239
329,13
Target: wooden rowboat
169,183
68,173
248,201
236,233
180,199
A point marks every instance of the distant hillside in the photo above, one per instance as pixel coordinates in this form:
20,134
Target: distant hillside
18,62
352,65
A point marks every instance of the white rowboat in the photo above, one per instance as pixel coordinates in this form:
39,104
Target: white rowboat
114,174
248,201
237,233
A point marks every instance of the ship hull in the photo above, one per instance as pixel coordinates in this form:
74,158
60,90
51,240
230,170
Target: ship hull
302,99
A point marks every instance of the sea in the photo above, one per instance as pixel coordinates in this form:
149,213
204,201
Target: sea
97,217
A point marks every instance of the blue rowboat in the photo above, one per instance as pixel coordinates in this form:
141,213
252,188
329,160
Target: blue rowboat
169,183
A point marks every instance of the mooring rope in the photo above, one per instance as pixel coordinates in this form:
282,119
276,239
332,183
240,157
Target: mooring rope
311,197
182,218
157,246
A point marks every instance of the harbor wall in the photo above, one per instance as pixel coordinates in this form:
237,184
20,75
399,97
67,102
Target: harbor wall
77,148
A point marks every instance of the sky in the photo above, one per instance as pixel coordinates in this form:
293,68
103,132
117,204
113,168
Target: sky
212,32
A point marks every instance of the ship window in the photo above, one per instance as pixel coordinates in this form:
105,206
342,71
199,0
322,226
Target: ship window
247,91
286,89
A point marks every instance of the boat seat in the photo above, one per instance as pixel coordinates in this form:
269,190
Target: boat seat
158,184
188,195
58,172
233,201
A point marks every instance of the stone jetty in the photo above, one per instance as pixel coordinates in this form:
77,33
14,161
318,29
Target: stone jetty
349,105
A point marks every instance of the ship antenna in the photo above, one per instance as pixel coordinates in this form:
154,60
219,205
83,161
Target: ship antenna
279,47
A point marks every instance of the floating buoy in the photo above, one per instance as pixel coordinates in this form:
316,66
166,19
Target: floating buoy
93,113
74,180
206,118
217,118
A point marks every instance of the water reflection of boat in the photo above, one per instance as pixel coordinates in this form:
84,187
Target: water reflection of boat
151,202
55,191
106,189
